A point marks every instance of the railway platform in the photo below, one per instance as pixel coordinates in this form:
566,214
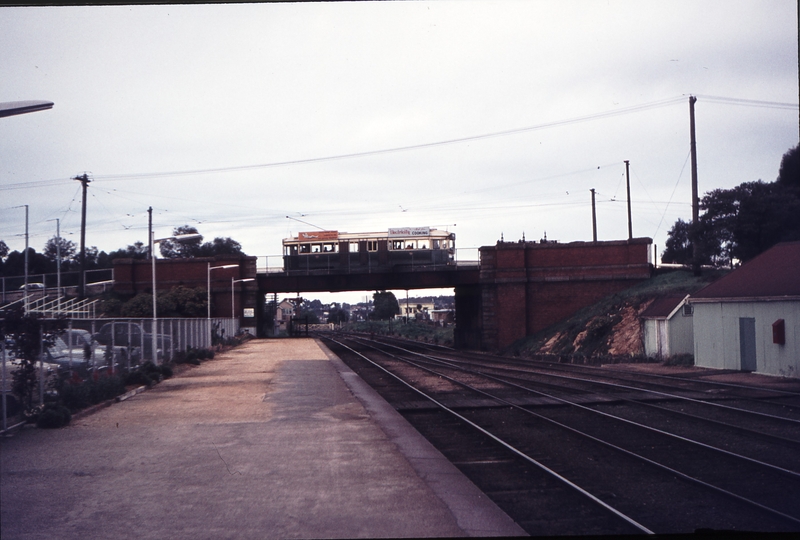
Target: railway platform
274,439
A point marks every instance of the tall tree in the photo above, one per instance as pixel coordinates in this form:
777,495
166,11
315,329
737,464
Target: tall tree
221,246
384,305
184,249
68,251
741,222
137,250
678,246
789,172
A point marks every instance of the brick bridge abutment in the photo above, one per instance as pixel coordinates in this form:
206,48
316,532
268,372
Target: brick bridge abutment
524,287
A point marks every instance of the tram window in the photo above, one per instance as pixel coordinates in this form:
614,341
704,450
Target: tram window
291,250
444,244
398,244
435,244
305,248
372,245
328,248
423,246
315,248
353,247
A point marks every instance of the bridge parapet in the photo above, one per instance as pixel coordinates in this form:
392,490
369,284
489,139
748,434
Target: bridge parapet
528,286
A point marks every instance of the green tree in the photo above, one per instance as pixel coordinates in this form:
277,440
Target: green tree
27,335
14,264
384,306
137,250
337,315
68,251
221,246
742,222
177,302
183,249
183,301
789,172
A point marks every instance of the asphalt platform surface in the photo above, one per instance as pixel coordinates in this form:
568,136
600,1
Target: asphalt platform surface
274,439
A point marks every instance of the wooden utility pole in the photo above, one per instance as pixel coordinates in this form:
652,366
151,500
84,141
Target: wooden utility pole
628,183
150,232
84,180
594,219
26,259
695,200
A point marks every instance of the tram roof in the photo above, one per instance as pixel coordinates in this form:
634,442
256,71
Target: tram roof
368,236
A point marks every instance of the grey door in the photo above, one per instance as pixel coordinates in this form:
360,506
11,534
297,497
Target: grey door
747,343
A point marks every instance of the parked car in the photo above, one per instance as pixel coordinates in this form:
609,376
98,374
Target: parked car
33,287
132,336
78,348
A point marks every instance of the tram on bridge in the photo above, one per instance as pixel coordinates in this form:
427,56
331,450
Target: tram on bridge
395,249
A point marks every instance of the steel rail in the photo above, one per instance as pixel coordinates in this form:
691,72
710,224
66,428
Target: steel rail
752,432
780,470
560,367
606,443
684,379
632,378
506,445
627,387
770,436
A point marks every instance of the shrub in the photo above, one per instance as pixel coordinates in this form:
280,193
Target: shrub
53,416
106,388
680,360
76,396
138,378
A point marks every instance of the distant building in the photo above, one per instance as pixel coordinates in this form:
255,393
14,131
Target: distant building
283,314
415,308
749,320
443,317
667,327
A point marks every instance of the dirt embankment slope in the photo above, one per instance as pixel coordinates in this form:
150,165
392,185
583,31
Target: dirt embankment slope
611,327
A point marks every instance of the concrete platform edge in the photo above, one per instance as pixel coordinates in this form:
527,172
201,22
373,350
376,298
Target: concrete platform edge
474,512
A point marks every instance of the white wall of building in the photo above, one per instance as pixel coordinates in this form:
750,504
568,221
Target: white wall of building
716,335
669,337
681,333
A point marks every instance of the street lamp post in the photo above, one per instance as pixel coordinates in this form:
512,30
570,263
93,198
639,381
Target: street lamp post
153,242
58,262
233,315
210,268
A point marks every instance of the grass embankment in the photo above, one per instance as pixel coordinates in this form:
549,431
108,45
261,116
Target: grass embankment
610,330
416,330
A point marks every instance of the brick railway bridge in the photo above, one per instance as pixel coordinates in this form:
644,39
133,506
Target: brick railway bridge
516,289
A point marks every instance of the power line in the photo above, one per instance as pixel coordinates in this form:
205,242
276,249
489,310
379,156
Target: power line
503,133
748,102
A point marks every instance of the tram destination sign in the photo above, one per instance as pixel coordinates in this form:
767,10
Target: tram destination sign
318,236
409,231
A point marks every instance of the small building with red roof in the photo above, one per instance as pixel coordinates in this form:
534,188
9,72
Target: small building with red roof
749,320
667,327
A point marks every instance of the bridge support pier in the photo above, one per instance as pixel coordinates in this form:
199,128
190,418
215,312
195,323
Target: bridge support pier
527,286
467,333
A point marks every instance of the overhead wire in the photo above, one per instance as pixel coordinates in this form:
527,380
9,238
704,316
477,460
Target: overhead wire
747,102
502,133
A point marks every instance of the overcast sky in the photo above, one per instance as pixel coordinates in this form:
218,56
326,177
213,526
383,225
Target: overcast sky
488,118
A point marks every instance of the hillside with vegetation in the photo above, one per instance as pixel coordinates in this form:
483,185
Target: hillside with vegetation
609,330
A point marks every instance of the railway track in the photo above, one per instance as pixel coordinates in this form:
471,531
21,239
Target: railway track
578,451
